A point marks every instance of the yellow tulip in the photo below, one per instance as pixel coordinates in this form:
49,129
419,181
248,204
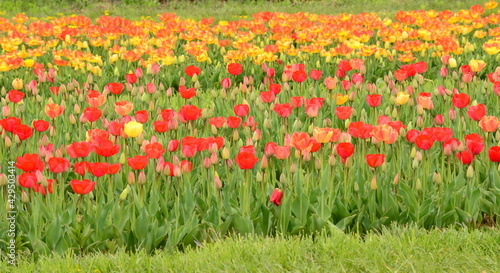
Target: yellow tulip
133,128
17,84
402,98
341,99
452,62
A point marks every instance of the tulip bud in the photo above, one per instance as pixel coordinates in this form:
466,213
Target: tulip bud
258,177
395,182
418,185
282,178
24,197
470,172
413,152
225,153
3,180
373,184
6,111
436,177
331,160
142,178
263,162
124,194
131,178
414,164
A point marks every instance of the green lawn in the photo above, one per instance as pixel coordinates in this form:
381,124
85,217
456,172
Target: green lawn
219,10
396,250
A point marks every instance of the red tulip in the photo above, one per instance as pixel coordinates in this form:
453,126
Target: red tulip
82,186
359,129
15,96
189,150
494,154
235,69
41,125
173,145
476,112
189,112
465,157
27,180
9,123
460,100
138,162
275,88
58,164
154,150
218,122
343,112
474,143
226,83
412,135
41,189
115,88
345,149
22,131
192,70
424,142
400,75
345,65
81,167
282,152
131,78
98,169
187,93
284,110
315,74
299,76
374,100
233,122
142,116
276,197
186,166
160,126
375,160
296,102
246,160
267,97
241,110
92,114
106,148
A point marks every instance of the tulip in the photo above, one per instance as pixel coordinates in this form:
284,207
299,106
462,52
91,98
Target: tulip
246,160
345,149
82,186
276,197
489,123
235,69
374,100
494,154
133,128
375,160
402,98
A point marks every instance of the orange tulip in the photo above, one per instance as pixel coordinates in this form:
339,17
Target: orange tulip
384,133
95,99
123,107
489,123
301,141
324,135
53,110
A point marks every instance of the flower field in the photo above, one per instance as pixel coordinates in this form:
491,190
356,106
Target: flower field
173,132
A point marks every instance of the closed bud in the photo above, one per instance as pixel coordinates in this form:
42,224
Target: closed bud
264,162
258,177
418,185
317,164
470,172
373,184
225,153
131,178
236,135
282,178
413,152
142,178
24,197
418,156
395,182
414,164
124,194
436,177
331,160
356,187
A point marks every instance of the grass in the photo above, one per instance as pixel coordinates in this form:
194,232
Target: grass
396,249
219,10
